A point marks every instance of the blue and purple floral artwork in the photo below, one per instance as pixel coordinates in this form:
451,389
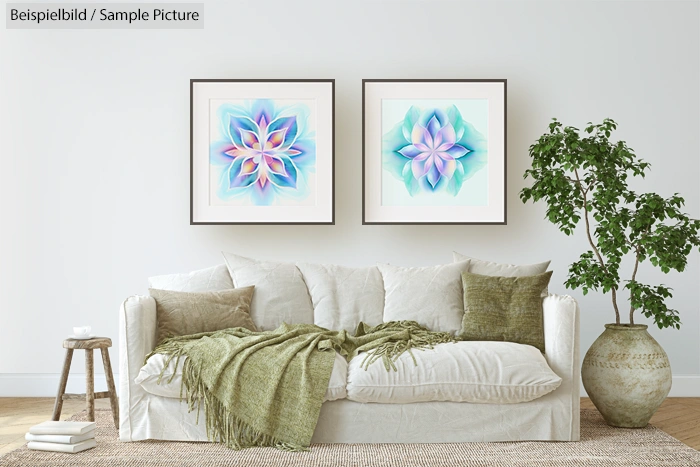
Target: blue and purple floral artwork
262,152
435,152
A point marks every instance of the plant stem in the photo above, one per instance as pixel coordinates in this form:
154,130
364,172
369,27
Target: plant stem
593,245
634,275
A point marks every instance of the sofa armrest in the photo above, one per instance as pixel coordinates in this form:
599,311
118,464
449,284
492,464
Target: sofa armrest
561,343
137,338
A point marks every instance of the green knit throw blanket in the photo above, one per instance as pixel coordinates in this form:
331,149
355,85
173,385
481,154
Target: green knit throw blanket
266,388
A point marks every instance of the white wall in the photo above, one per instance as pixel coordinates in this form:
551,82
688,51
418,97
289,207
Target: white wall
94,174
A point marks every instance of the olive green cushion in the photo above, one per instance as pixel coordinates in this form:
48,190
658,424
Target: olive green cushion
184,313
504,308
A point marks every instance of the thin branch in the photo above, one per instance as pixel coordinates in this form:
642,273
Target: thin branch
634,275
593,245
590,185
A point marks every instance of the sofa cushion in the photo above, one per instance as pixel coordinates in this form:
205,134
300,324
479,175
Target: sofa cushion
280,292
490,268
344,296
183,313
479,372
150,372
504,308
432,296
202,280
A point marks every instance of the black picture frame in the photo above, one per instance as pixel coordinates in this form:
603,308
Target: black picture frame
193,215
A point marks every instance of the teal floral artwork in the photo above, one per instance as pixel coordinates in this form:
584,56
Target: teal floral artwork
264,152
434,150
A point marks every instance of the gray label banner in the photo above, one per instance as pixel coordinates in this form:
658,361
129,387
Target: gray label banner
105,16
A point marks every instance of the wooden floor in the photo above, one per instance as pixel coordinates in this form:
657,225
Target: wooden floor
679,417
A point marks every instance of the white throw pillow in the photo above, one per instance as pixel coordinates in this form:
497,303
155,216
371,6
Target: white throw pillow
280,292
212,279
344,296
431,296
489,268
473,371
150,372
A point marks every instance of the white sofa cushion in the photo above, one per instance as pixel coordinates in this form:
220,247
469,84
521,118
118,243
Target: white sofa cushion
489,268
344,296
150,372
479,372
212,279
280,292
431,296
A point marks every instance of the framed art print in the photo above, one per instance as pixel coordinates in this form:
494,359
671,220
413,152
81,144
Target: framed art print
261,151
434,151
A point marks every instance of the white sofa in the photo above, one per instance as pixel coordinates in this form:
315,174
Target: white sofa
350,413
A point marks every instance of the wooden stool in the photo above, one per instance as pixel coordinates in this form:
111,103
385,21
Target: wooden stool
102,343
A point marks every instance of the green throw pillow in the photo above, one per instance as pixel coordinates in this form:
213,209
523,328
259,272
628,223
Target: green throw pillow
504,308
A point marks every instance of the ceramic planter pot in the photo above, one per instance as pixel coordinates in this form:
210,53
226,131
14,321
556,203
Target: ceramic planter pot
627,375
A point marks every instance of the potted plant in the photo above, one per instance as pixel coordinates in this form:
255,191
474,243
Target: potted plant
583,176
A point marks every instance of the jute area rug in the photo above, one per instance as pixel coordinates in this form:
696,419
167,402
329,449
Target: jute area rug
600,445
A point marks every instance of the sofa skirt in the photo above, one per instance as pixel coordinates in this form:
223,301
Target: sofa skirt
343,421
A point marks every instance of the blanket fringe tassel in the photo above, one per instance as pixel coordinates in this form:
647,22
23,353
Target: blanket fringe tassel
418,339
